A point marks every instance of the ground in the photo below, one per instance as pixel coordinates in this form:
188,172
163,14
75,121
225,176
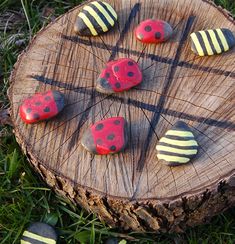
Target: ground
24,198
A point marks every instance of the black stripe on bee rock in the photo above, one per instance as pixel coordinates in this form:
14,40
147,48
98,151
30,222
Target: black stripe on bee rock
179,138
177,146
202,43
219,42
101,15
169,153
106,8
211,42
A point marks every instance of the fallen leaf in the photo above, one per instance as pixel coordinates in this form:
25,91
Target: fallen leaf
5,117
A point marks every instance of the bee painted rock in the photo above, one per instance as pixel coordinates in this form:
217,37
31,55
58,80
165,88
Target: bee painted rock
120,75
39,233
178,146
153,31
95,18
106,136
114,241
41,106
211,42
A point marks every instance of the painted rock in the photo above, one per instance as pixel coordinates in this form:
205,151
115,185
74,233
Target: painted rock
178,146
39,233
211,42
112,241
120,75
106,136
153,31
95,18
115,241
41,106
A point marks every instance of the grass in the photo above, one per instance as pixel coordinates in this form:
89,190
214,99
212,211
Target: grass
24,198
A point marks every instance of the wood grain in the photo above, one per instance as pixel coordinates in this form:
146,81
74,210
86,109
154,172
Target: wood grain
133,189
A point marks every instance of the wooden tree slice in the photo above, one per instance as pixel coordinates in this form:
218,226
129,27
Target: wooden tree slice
133,190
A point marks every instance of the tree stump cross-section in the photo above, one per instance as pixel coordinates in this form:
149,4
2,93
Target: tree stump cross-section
133,190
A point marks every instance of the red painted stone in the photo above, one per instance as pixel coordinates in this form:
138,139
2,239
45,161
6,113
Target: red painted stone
153,31
119,75
41,106
107,136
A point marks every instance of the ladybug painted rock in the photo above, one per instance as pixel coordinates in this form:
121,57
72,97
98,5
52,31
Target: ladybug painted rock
106,136
153,31
41,106
39,233
119,75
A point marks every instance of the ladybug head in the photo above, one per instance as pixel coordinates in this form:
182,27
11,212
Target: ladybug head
104,86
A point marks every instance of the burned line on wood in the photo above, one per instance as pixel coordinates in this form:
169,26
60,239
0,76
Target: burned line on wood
114,52
132,102
132,15
167,84
154,57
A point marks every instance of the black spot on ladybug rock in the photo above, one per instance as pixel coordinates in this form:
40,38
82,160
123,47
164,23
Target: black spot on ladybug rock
130,74
107,75
117,122
46,109
157,35
28,110
110,137
130,63
47,98
116,68
112,148
104,83
36,116
38,103
99,126
118,85
148,28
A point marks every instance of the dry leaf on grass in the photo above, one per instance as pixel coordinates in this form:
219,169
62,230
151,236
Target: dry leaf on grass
5,117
